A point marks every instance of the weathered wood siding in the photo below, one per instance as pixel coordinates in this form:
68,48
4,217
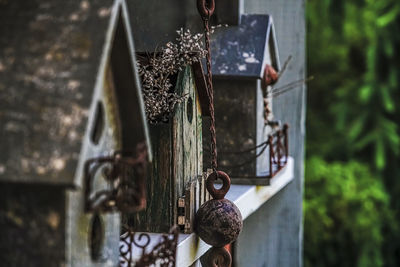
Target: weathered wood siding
236,123
272,236
177,159
79,223
47,78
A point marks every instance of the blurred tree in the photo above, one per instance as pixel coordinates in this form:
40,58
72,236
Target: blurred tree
353,51
346,209
366,107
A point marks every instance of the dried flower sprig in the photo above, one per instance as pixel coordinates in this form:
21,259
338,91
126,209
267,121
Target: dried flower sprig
156,72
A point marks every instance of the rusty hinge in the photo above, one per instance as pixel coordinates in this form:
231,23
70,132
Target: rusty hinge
195,195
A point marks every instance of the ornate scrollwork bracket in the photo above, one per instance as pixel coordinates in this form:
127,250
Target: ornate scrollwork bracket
162,254
125,173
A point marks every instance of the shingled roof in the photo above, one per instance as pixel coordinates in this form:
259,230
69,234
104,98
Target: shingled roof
243,50
50,52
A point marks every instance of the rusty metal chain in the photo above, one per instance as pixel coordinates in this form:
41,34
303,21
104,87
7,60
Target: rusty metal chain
206,10
212,212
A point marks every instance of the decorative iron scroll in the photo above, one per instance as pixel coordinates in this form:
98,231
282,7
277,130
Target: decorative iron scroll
278,150
163,254
125,173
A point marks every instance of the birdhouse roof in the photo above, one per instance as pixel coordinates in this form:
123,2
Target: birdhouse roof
201,86
244,50
50,56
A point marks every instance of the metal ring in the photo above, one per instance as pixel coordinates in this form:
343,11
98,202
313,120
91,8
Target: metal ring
226,184
206,8
217,257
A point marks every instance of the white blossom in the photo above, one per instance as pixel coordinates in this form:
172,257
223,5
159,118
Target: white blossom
156,71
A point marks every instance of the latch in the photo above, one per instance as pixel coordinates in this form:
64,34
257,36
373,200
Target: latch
125,173
195,195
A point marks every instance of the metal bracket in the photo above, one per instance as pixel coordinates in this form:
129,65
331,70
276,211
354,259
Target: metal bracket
125,175
162,254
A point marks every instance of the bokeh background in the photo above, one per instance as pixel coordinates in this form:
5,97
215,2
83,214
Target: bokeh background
352,180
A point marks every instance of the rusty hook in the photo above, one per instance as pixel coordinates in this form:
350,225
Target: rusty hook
226,184
206,8
217,257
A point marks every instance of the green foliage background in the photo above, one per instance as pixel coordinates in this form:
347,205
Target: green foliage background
352,185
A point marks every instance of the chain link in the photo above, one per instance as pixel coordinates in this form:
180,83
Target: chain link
210,92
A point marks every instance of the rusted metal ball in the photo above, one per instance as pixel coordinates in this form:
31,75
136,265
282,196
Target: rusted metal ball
218,222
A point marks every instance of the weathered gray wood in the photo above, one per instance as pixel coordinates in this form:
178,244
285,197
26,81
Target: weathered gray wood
190,206
175,168
118,91
158,215
236,122
189,122
80,223
199,140
49,55
272,236
59,63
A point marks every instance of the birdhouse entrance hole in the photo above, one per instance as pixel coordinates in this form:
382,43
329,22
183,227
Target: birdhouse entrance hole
189,109
98,126
96,237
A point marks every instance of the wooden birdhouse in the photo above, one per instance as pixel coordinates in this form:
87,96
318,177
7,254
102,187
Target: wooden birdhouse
241,56
74,137
175,177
